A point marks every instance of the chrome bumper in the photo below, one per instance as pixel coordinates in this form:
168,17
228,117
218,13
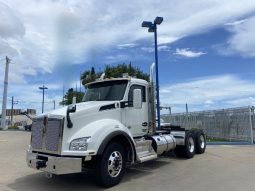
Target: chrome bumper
54,165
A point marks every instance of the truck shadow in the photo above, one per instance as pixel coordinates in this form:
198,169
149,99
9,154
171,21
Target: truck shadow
84,181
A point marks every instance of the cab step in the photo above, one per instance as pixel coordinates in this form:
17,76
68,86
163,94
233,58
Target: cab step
144,150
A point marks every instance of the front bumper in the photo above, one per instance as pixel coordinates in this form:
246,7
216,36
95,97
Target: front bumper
54,164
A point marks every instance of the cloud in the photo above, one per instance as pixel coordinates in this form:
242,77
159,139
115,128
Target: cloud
7,49
50,37
210,92
185,52
238,22
241,102
148,49
46,35
242,39
163,48
117,59
151,49
209,102
127,45
11,25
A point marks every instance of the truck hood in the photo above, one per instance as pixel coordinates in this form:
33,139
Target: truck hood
88,106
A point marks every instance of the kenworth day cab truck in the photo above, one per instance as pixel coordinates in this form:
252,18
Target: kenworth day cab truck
114,127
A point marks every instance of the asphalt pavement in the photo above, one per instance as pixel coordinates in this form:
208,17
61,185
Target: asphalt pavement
221,168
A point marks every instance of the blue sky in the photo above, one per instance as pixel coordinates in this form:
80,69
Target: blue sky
206,48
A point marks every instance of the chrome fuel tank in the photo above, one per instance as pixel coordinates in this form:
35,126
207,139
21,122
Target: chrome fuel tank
164,143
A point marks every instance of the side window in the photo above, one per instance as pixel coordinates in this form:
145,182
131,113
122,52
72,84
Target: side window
131,91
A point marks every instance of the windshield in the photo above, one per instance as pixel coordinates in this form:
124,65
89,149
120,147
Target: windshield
106,91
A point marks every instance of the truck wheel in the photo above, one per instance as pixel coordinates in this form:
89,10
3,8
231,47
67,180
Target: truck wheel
200,142
189,149
112,165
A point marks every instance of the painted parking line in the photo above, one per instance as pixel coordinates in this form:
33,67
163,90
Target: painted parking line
3,140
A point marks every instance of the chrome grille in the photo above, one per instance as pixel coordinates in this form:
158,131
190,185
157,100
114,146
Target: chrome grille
47,138
37,135
53,133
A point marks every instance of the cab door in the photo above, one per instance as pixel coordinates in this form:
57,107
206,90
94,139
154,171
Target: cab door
137,119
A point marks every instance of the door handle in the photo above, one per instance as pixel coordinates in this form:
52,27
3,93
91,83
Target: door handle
144,124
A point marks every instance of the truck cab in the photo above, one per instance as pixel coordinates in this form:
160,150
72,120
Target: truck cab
120,93
113,127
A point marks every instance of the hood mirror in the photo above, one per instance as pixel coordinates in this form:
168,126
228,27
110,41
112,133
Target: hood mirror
70,109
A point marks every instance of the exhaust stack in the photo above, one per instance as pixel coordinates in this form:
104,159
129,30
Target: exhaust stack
152,72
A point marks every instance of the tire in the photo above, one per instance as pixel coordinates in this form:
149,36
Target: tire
112,165
200,140
189,149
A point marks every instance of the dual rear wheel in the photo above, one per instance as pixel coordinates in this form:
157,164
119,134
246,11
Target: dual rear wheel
195,143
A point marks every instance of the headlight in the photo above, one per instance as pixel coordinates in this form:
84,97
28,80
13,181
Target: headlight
80,144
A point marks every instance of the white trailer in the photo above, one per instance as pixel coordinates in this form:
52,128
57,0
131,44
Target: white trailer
113,127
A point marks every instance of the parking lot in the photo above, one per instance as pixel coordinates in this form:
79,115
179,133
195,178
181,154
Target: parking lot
220,168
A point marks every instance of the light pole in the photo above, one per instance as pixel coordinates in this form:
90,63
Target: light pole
152,27
43,88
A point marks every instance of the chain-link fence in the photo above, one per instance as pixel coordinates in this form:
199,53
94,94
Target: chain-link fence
236,124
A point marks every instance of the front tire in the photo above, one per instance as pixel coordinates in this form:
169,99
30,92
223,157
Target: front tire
112,165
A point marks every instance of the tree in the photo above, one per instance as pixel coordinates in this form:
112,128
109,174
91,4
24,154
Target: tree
119,70
68,98
89,76
113,72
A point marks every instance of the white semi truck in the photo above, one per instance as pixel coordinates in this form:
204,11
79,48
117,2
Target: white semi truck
114,127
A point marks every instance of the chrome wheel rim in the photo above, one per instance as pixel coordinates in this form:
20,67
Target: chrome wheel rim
202,141
115,164
191,145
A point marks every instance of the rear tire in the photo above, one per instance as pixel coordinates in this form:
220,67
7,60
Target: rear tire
189,149
200,140
112,165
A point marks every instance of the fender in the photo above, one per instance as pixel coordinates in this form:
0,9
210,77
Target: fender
111,136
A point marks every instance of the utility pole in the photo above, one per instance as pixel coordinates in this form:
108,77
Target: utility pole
43,88
3,122
12,112
13,102
63,95
80,82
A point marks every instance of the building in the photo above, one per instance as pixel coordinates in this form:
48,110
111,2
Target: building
19,117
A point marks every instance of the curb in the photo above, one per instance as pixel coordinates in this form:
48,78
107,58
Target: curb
229,143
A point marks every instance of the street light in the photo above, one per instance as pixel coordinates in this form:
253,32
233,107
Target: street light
43,88
152,27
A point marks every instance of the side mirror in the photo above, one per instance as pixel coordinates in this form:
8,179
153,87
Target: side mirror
70,109
137,99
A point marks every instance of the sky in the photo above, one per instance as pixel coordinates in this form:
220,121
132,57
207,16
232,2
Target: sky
206,49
